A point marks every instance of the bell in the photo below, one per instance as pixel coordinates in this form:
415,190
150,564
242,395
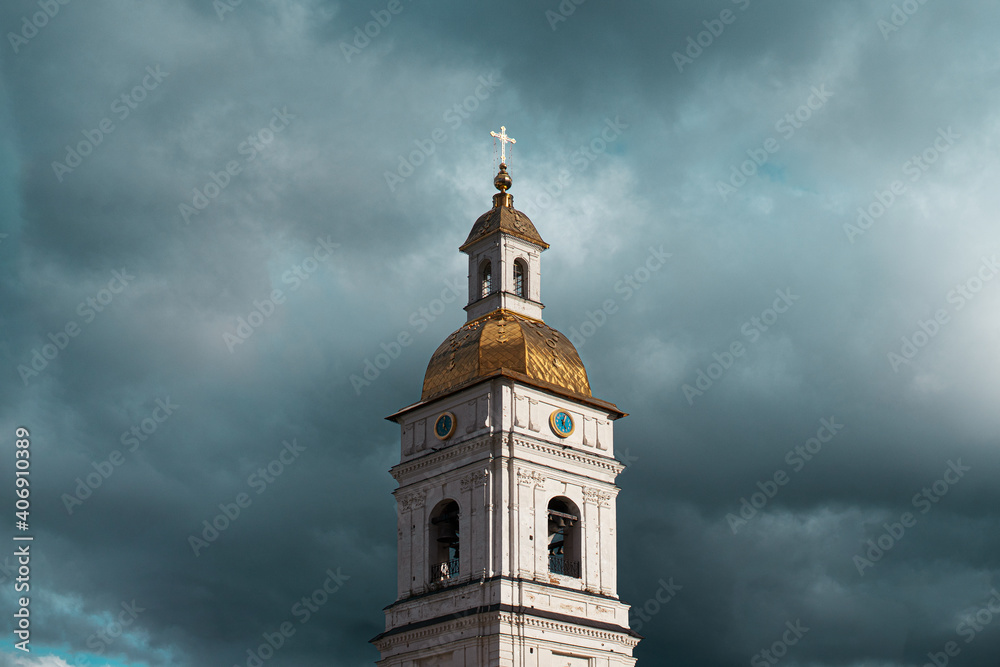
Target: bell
562,519
448,534
445,518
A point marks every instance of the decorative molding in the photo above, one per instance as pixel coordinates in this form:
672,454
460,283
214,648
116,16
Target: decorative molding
520,404
411,501
407,438
576,455
528,477
448,459
596,496
533,415
420,434
447,630
441,456
474,479
471,404
556,626
451,630
601,427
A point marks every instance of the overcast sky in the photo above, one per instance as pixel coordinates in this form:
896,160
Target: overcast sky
166,166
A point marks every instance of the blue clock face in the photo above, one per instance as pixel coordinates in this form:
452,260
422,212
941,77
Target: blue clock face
562,423
444,426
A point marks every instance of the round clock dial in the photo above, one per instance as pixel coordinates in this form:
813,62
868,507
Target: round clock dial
444,426
561,423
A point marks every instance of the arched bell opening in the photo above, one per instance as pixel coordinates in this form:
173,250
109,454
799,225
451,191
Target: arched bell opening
564,537
444,541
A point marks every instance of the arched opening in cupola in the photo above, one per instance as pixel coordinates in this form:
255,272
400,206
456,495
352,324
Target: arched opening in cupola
520,287
486,279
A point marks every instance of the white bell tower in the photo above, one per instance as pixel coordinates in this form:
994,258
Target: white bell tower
506,498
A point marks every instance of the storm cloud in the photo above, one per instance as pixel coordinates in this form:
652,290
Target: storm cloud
217,220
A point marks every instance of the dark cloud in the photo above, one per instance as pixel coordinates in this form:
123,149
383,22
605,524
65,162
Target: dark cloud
853,295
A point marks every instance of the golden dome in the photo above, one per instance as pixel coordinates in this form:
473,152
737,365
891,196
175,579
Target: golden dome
506,343
503,217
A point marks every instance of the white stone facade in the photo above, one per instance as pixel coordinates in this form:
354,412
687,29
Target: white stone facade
507,527
502,250
502,465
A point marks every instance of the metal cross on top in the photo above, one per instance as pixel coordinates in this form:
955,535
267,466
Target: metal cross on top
504,140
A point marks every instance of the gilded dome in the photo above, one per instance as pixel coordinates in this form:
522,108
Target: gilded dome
500,343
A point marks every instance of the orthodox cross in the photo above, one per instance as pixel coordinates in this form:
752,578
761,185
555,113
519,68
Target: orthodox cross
504,140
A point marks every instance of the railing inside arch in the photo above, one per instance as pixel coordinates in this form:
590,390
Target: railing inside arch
445,570
561,565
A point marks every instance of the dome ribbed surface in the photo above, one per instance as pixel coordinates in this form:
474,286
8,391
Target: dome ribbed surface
504,340
504,219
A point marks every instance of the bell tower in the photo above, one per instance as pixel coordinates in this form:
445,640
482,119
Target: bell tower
506,499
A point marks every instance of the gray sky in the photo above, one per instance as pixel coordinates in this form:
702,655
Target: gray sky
355,170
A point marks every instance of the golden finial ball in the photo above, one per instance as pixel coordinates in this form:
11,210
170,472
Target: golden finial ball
502,180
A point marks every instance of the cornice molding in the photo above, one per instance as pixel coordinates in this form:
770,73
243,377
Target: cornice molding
509,615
